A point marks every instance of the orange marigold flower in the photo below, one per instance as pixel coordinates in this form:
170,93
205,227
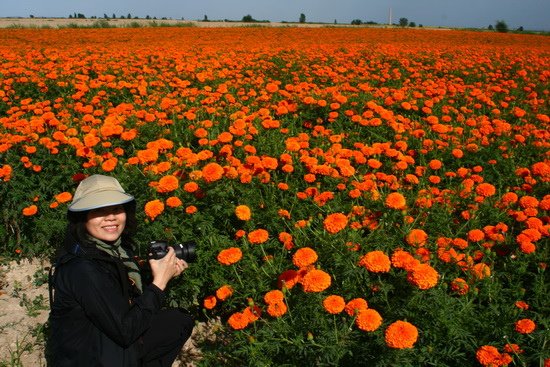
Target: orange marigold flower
252,313
109,165
485,189
212,172
522,305
459,286
401,335
404,260
541,169
243,212
173,202
240,233
335,222
238,321
525,326
258,236
190,187
304,256
513,348
532,234
334,304
230,256
528,202
460,243
374,163
316,280
544,204
168,183
509,198
286,239
63,197
288,279
395,201
146,155
274,296
277,309
435,164
191,209
489,356
417,237
480,271
476,235
368,320
526,247
224,292
209,302
309,177
282,186
423,276
5,171
154,208
283,213
354,306
30,210
376,262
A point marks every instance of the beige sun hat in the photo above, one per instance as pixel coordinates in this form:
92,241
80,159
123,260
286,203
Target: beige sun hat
98,191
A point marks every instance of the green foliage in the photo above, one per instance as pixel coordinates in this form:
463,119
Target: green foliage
501,26
317,111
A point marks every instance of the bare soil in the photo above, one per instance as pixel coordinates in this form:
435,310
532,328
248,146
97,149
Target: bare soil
23,311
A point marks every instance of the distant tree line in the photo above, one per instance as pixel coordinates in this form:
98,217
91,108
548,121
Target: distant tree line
105,16
500,25
403,22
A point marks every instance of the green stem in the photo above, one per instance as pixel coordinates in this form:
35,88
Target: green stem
238,276
335,329
267,258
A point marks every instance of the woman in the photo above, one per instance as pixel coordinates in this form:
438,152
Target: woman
102,314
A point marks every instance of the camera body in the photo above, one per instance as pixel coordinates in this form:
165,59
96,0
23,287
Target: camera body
185,251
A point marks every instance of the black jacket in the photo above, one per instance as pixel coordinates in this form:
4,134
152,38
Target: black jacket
95,320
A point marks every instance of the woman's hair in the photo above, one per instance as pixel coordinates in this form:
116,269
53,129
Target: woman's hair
77,222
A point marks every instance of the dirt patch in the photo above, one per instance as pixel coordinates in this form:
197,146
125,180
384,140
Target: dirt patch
24,308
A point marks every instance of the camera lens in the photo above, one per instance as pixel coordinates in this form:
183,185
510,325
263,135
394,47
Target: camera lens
186,251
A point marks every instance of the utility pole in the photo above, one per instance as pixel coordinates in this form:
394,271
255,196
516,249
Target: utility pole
389,19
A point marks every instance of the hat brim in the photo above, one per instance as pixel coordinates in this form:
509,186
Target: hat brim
100,200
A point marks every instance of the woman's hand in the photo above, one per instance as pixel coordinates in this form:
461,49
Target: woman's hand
166,268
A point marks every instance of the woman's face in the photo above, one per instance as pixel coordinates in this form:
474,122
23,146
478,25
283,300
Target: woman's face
106,223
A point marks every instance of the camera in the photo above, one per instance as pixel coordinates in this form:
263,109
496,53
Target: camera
185,251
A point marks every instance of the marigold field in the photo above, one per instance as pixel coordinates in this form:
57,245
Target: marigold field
358,197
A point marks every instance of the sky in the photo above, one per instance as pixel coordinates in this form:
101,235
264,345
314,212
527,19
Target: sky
529,14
